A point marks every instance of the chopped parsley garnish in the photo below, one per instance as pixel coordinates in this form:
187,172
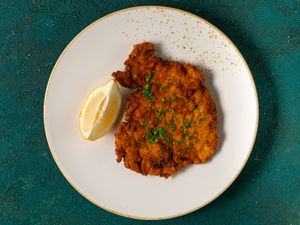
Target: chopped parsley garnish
149,104
166,86
201,120
159,121
163,100
148,78
170,152
186,124
154,136
190,138
173,127
153,139
137,89
166,141
161,131
183,136
160,112
174,118
172,111
147,94
176,98
161,89
161,150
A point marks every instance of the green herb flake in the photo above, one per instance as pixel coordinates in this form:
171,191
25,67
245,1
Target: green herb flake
159,121
173,127
172,111
161,150
174,118
166,141
147,94
176,98
164,100
149,104
148,78
170,152
162,131
186,124
147,87
160,89
154,136
166,86
190,138
154,140
183,135
137,89
201,120
160,112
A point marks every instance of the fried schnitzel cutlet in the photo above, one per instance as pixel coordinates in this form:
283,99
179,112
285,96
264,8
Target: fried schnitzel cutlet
170,120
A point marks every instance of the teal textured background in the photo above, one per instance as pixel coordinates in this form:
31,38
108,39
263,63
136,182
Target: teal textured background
34,33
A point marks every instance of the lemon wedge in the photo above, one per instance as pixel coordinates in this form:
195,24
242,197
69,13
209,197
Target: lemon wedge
100,111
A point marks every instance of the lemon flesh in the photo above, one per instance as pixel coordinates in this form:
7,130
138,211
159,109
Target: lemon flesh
100,111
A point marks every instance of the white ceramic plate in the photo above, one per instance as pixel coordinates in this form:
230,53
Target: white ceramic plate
101,49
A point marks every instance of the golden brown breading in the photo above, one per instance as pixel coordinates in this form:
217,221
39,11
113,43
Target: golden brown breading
170,120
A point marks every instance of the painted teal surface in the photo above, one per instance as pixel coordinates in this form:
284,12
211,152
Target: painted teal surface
34,33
